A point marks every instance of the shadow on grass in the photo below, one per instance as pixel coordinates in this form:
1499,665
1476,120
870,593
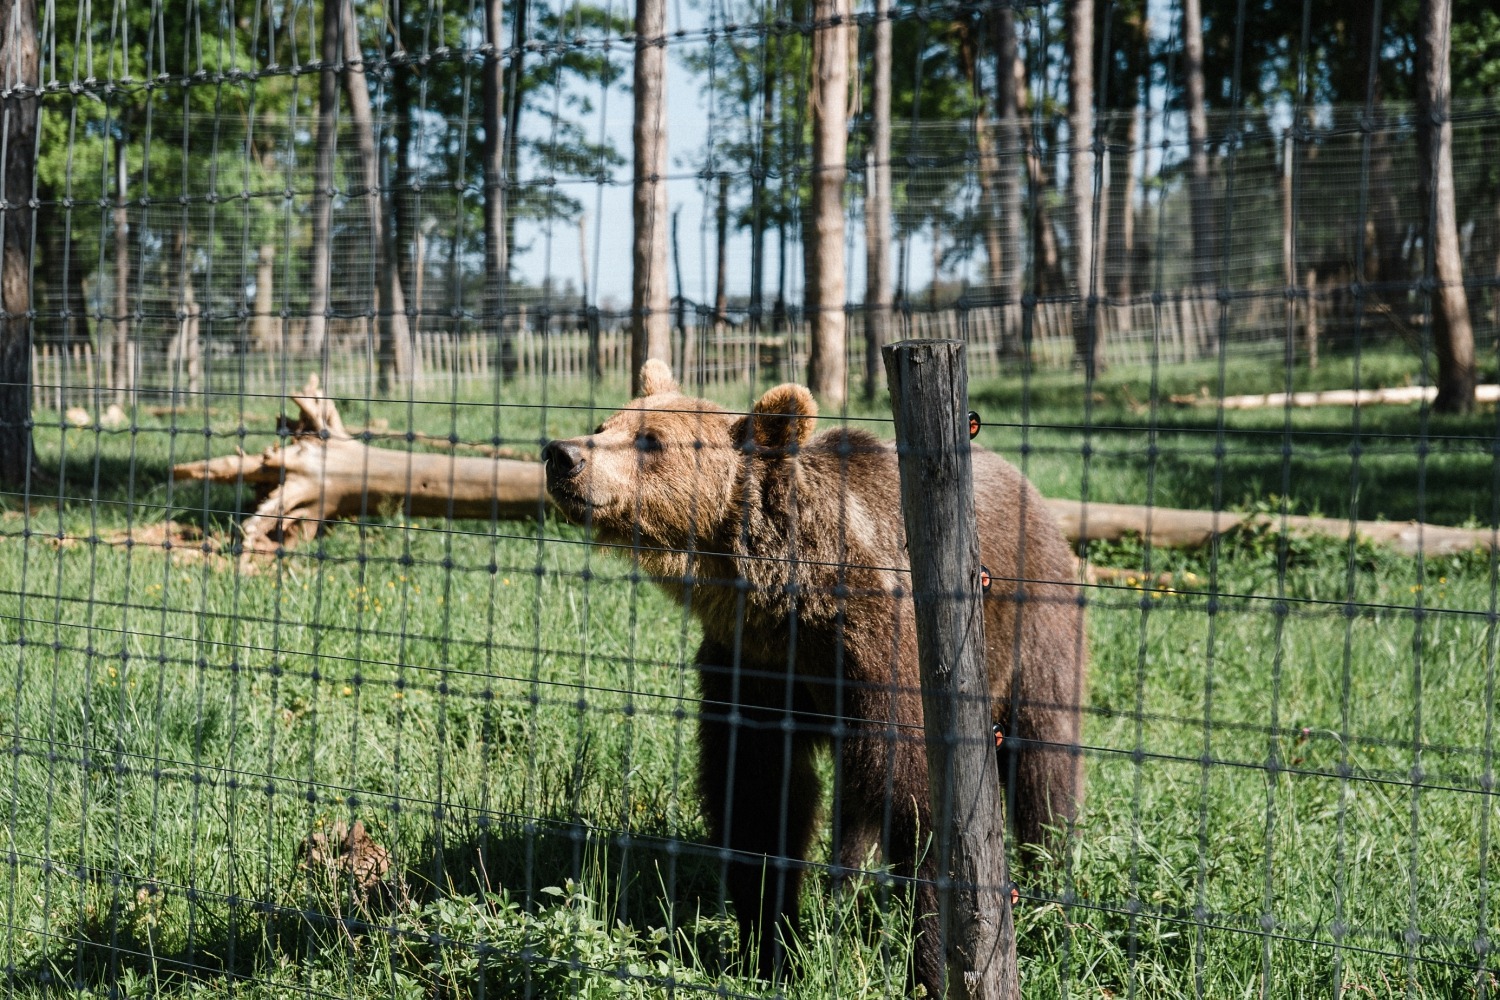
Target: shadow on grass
1391,463
642,876
119,946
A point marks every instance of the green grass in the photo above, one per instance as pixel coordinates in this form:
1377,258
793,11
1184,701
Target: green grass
510,713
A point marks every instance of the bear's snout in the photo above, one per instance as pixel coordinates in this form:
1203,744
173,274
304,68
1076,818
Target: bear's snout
564,460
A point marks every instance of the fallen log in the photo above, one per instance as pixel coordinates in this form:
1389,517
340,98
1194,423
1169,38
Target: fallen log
320,473
1166,527
1394,396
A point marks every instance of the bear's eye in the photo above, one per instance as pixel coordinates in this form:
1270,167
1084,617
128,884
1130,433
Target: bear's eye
647,441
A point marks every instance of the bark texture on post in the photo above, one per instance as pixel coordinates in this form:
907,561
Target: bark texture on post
19,112
929,387
650,319
1081,177
878,202
1452,329
827,371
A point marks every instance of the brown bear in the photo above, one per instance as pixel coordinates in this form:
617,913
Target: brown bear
789,548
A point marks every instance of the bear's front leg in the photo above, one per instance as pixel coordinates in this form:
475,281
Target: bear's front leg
760,792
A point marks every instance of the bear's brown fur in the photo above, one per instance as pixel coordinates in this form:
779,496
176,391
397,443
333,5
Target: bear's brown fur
789,549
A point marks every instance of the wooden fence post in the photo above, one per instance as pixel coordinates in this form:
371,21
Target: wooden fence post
929,385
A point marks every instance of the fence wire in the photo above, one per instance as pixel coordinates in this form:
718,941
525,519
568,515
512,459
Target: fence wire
306,684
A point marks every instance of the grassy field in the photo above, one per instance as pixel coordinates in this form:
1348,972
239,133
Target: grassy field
1290,742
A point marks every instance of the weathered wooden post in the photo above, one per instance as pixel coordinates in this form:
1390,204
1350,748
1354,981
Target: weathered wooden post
929,385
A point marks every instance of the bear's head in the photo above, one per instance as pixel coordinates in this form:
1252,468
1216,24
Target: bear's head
664,472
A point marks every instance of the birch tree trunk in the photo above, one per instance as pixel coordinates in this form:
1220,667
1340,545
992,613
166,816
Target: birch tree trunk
19,73
394,356
1452,330
878,203
1088,343
321,276
650,320
827,371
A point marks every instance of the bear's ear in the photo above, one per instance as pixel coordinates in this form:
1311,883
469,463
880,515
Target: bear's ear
784,417
656,378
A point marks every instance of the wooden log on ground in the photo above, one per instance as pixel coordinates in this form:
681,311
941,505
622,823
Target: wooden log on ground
1166,527
321,473
1397,395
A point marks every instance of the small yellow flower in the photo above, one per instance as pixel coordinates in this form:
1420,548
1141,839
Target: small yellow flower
398,695
506,581
348,690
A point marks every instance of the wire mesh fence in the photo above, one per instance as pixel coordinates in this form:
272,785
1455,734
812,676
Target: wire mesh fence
370,650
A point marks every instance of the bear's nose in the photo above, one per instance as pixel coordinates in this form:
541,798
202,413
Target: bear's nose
563,459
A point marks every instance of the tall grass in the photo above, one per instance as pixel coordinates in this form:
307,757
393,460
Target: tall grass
1290,749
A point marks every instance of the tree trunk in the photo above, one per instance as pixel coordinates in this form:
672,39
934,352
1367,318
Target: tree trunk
1088,342
988,168
496,260
1008,145
878,203
1205,243
650,321
393,347
1120,259
511,168
185,349
267,328
1452,331
403,199
721,236
19,68
826,368
324,164
58,284
758,191
122,356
